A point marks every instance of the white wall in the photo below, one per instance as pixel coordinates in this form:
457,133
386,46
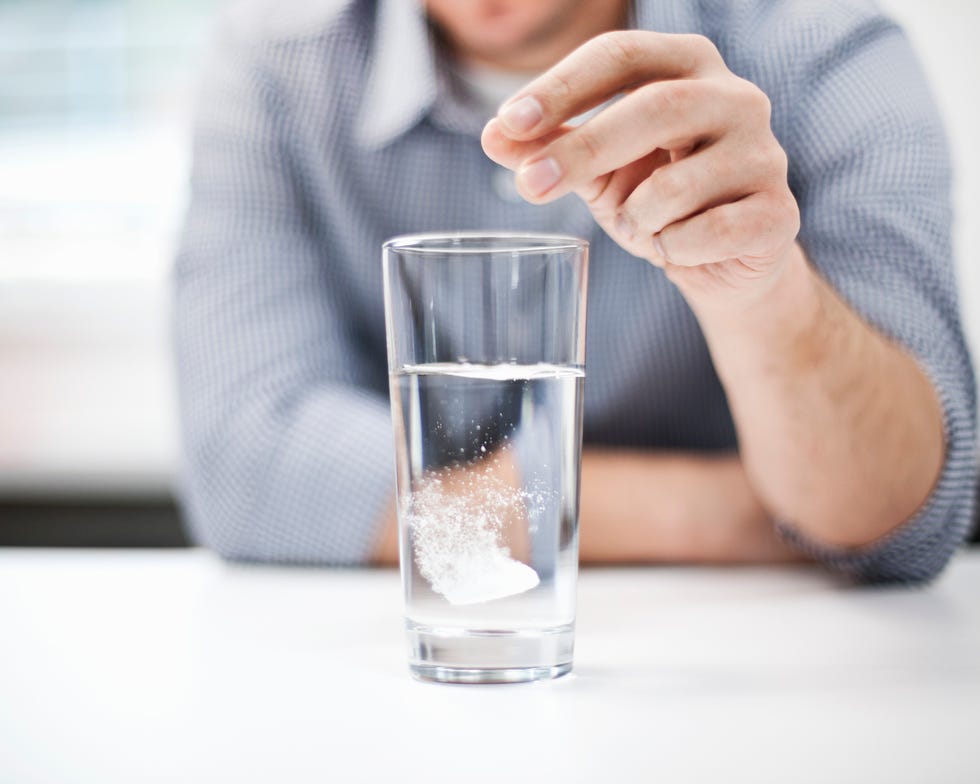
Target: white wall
87,224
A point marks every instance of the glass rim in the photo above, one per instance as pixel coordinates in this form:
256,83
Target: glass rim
480,242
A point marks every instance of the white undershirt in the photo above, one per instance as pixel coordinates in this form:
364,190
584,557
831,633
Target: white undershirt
489,87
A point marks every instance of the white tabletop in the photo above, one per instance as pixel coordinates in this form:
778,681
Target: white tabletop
138,666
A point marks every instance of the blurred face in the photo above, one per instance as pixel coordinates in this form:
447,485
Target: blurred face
521,34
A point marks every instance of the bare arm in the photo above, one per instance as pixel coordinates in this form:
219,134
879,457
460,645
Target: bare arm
840,434
840,431
644,507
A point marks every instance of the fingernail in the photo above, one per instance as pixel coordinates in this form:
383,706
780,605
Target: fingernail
522,115
658,246
623,227
540,176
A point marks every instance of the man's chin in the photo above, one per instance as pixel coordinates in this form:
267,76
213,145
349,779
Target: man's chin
512,35
506,47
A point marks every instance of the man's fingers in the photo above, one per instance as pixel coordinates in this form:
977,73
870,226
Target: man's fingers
510,153
663,115
599,69
611,188
605,194
759,226
720,173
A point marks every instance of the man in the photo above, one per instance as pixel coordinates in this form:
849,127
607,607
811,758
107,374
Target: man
784,372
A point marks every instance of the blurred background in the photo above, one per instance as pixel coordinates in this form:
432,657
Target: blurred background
95,103
95,99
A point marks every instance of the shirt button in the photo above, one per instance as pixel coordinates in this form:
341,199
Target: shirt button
503,185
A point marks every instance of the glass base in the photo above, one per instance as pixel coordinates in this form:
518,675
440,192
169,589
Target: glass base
451,655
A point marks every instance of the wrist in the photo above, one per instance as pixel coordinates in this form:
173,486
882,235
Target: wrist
782,321
789,287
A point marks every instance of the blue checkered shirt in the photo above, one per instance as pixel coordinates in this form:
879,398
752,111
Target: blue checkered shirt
321,131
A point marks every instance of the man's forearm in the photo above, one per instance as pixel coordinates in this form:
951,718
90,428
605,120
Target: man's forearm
840,431
645,506
649,507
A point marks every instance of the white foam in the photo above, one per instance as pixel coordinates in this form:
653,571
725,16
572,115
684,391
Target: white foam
500,372
457,535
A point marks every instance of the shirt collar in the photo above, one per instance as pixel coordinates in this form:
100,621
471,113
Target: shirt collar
402,83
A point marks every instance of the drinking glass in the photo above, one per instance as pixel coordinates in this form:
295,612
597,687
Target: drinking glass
486,358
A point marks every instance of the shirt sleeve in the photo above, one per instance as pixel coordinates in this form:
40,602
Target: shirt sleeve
287,443
870,169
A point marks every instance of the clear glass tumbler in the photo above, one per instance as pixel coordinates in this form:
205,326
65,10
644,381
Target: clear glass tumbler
486,355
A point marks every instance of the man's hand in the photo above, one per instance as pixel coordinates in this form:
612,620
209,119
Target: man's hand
840,432
682,170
